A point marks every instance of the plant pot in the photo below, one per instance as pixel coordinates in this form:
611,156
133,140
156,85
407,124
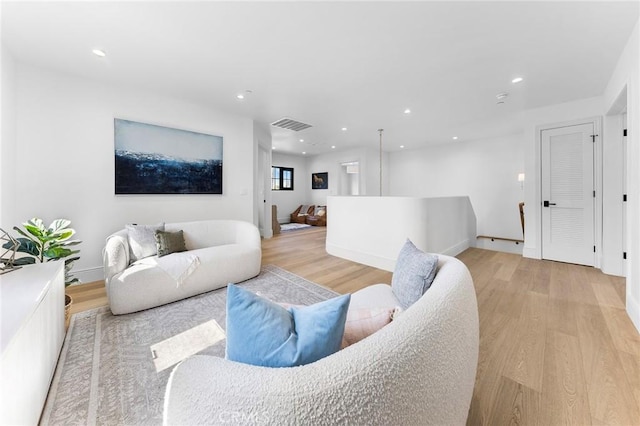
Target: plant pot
68,301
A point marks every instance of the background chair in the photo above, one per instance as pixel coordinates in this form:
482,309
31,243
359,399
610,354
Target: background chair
300,214
319,217
521,208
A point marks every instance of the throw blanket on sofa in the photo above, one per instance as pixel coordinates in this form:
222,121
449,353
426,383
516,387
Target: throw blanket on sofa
177,265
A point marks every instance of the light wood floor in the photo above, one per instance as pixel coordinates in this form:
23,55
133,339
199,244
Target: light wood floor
556,345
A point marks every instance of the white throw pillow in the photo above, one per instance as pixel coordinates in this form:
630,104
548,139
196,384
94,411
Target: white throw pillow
142,240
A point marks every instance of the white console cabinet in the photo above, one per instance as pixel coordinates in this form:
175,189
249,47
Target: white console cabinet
31,334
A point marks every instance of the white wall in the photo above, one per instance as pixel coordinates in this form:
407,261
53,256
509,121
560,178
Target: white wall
369,160
8,135
64,147
288,201
485,170
627,74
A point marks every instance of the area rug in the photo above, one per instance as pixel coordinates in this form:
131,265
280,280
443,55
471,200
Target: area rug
293,226
107,374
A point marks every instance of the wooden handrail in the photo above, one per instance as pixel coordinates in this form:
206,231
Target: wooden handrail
500,238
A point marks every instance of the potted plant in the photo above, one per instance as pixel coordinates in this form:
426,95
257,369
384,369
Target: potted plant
43,244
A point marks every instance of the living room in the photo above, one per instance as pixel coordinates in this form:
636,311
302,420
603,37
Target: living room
59,101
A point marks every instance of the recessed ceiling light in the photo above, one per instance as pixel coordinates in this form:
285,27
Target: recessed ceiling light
240,96
517,80
333,147
455,138
273,147
304,152
407,111
99,52
301,140
401,146
344,129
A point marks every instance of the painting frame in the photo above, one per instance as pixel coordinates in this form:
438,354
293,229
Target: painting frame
320,180
155,159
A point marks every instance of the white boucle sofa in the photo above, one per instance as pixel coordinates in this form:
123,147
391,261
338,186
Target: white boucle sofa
226,250
418,370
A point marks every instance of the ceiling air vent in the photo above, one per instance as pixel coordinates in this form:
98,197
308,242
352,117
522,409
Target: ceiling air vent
289,124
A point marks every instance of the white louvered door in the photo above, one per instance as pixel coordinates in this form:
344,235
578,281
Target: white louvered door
567,193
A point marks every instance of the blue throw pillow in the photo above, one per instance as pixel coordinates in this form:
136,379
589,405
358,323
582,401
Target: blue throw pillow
261,332
413,275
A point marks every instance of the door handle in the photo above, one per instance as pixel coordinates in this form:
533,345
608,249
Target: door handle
547,204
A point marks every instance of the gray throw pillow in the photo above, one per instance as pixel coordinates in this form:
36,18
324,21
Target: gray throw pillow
413,275
169,242
142,241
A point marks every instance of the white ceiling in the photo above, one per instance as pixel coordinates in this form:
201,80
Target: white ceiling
339,64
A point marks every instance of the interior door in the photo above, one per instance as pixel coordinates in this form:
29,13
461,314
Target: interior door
568,195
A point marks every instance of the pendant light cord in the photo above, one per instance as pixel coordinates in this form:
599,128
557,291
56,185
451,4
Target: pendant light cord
380,131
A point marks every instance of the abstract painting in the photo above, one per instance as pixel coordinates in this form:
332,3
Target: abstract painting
320,180
154,159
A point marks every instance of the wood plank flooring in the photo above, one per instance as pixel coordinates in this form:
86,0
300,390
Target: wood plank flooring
556,345
87,296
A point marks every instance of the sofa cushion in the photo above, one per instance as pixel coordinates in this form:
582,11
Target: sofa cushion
374,296
261,332
169,242
363,322
142,240
413,274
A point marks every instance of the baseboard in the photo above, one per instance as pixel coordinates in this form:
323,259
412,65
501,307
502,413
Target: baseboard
633,310
531,253
381,262
457,248
360,257
89,275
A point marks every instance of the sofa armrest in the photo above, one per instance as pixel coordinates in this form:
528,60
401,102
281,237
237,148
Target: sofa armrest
206,390
115,255
248,234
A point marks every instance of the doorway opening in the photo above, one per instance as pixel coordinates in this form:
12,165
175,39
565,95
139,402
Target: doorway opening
350,178
263,193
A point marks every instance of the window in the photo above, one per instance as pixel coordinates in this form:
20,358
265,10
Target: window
281,178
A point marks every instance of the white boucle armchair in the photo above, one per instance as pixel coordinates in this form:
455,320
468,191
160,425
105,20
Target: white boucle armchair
418,370
226,251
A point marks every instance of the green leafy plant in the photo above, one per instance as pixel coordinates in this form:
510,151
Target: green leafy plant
44,244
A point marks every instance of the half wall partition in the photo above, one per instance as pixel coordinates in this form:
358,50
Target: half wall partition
372,230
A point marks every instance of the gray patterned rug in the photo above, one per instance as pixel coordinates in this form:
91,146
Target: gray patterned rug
106,373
